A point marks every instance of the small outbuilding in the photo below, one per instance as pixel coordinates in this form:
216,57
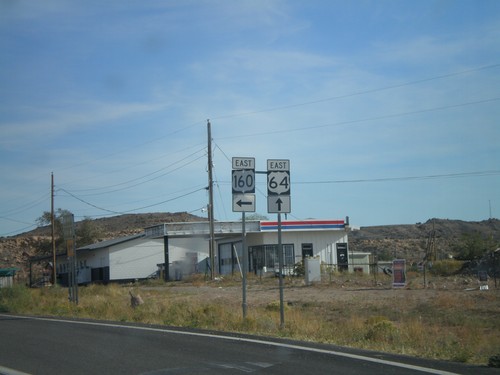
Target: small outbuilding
7,276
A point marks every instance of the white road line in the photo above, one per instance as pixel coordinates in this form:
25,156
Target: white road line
243,339
9,371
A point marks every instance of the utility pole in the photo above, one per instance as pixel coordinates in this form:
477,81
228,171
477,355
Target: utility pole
211,203
52,224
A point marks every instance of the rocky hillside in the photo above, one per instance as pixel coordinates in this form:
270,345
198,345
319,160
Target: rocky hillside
16,250
410,241
122,225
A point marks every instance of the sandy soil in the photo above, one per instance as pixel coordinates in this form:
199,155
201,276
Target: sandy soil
365,291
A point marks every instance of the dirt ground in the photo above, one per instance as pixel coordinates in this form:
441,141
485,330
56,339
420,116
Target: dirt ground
261,292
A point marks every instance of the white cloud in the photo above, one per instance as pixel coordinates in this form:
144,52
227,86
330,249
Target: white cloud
69,117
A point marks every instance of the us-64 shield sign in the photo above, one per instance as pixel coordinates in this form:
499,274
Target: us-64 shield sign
278,186
278,183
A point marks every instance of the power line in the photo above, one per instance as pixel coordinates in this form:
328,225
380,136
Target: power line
133,165
28,205
132,210
90,204
135,145
18,230
409,83
381,117
144,176
406,178
321,100
388,179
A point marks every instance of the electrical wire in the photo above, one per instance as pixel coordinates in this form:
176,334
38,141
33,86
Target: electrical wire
406,178
144,176
28,205
375,118
157,138
321,100
19,230
387,179
132,210
370,91
129,166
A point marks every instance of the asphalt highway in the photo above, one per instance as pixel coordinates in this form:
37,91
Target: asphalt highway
35,345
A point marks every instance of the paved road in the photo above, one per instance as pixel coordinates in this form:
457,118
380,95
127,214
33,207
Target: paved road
54,346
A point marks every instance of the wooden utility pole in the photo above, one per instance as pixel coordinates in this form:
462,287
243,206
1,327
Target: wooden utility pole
52,224
211,204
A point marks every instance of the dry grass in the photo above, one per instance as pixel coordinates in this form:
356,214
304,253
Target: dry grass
444,323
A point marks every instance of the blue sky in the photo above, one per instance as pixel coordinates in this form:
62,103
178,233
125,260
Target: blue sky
387,110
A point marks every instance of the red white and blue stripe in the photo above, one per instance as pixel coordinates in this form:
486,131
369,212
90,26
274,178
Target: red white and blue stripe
303,225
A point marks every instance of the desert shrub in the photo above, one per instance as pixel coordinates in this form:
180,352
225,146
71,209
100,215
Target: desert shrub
299,269
372,320
275,306
15,299
381,331
494,361
445,267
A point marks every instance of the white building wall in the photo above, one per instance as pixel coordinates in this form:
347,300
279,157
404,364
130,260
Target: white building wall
323,242
359,262
94,259
187,256
135,259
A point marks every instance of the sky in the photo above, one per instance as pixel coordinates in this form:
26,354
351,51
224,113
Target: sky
387,110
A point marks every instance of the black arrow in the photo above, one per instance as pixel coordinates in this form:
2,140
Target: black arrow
279,202
241,203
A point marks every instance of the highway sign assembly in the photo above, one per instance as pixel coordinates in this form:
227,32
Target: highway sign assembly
278,186
243,183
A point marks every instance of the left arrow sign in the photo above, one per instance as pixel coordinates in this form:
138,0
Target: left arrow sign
243,202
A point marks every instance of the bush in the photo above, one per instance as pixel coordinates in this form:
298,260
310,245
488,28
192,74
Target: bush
15,299
446,267
494,361
380,329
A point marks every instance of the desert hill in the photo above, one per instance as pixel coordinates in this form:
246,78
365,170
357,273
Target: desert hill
16,250
410,241
122,225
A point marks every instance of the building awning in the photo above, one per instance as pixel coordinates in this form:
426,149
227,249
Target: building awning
6,272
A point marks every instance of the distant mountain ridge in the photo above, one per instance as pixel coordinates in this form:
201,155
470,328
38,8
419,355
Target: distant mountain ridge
115,226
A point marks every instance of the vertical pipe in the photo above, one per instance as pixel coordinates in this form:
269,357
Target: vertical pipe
52,225
245,264
167,258
211,203
280,264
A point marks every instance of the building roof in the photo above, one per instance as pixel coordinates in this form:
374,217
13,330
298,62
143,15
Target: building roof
234,227
303,225
6,272
112,242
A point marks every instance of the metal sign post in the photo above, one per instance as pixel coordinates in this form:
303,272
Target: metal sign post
245,266
243,181
69,235
278,201
280,266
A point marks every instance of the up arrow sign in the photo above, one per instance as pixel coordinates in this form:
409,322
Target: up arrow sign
279,202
